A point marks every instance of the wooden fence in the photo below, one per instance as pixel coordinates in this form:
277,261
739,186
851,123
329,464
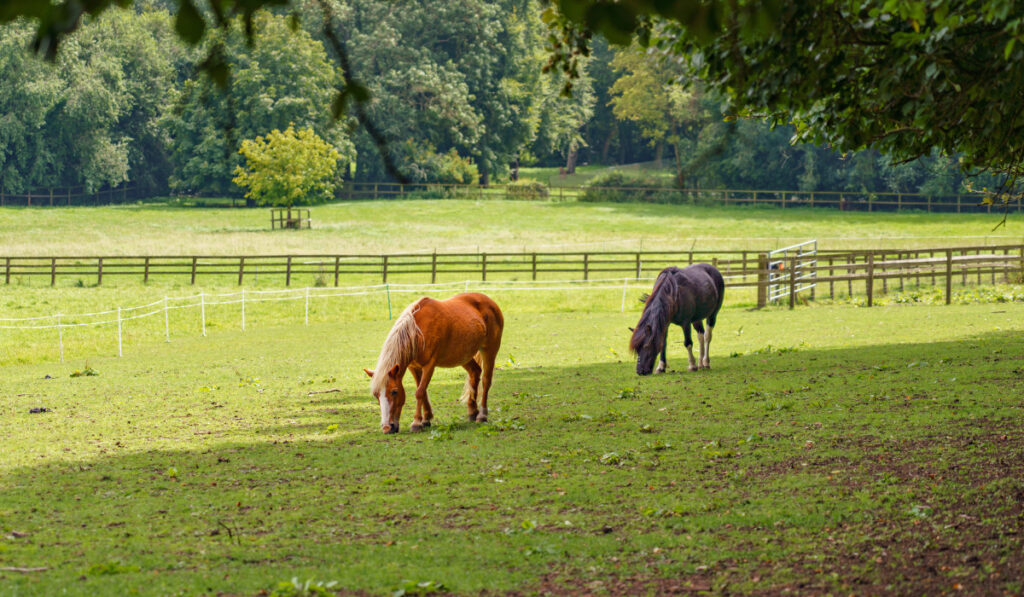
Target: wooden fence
841,200
67,196
874,271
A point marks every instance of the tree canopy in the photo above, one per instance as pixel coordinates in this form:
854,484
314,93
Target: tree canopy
906,77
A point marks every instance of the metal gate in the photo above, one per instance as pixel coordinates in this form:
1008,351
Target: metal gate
792,267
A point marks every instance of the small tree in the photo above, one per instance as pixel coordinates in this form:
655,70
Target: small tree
288,167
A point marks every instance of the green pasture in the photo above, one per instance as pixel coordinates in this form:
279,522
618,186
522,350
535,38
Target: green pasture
829,450
375,227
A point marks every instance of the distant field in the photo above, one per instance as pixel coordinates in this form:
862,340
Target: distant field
584,174
469,226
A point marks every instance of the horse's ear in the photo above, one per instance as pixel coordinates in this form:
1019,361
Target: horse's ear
368,373
631,329
394,371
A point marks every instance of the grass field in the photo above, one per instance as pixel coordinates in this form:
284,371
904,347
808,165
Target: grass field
879,452
375,227
832,449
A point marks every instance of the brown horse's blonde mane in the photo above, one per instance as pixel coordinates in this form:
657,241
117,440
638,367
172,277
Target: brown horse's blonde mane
399,348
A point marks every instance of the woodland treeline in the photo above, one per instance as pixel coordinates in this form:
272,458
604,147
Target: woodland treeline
458,93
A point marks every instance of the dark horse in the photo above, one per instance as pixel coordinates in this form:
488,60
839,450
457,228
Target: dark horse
683,297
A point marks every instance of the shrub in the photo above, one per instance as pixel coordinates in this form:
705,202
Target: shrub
619,187
527,190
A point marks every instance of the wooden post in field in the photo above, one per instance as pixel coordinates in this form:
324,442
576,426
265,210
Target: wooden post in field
433,267
885,270
870,283
99,271
483,266
762,280
7,267
51,196
337,263
586,266
145,271
851,261
193,281
899,256
831,283
384,267
534,266
53,271
949,276
241,269
638,266
288,271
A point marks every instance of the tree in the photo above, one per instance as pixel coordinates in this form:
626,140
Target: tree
906,77
665,112
288,167
283,77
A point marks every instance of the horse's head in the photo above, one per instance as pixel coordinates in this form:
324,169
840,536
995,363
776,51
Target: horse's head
391,397
646,345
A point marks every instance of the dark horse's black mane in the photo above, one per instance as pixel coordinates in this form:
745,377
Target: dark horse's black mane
680,296
658,310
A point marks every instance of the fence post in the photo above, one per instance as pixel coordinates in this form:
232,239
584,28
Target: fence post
145,275
202,308
535,265
384,276
288,272
792,282
337,262
99,271
870,283
586,266
53,271
958,203
638,266
433,267
762,280
119,353
241,269
483,266
7,270
949,276
193,281
831,282
60,338
167,322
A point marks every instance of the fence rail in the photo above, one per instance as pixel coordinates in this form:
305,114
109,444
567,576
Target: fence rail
771,273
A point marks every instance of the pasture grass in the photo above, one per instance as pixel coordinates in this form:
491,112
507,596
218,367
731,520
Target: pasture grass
833,449
375,227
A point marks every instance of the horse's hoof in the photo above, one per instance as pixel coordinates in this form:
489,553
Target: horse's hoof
414,427
481,417
393,428
426,424
693,367
472,416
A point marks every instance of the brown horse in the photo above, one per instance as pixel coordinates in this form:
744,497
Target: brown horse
464,330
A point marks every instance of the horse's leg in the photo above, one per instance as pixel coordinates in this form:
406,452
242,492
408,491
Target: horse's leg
422,381
688,343
487,364
469,391
663,360
705,359
699,326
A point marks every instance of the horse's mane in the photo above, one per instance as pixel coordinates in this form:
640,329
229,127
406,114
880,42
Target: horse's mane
657,310
399,347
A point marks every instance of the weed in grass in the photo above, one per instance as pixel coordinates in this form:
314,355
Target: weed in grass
423,587
310,588
87,371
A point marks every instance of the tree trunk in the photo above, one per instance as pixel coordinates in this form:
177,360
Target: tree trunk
659,150
485,176
606,148
514,175
570,161
679,167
